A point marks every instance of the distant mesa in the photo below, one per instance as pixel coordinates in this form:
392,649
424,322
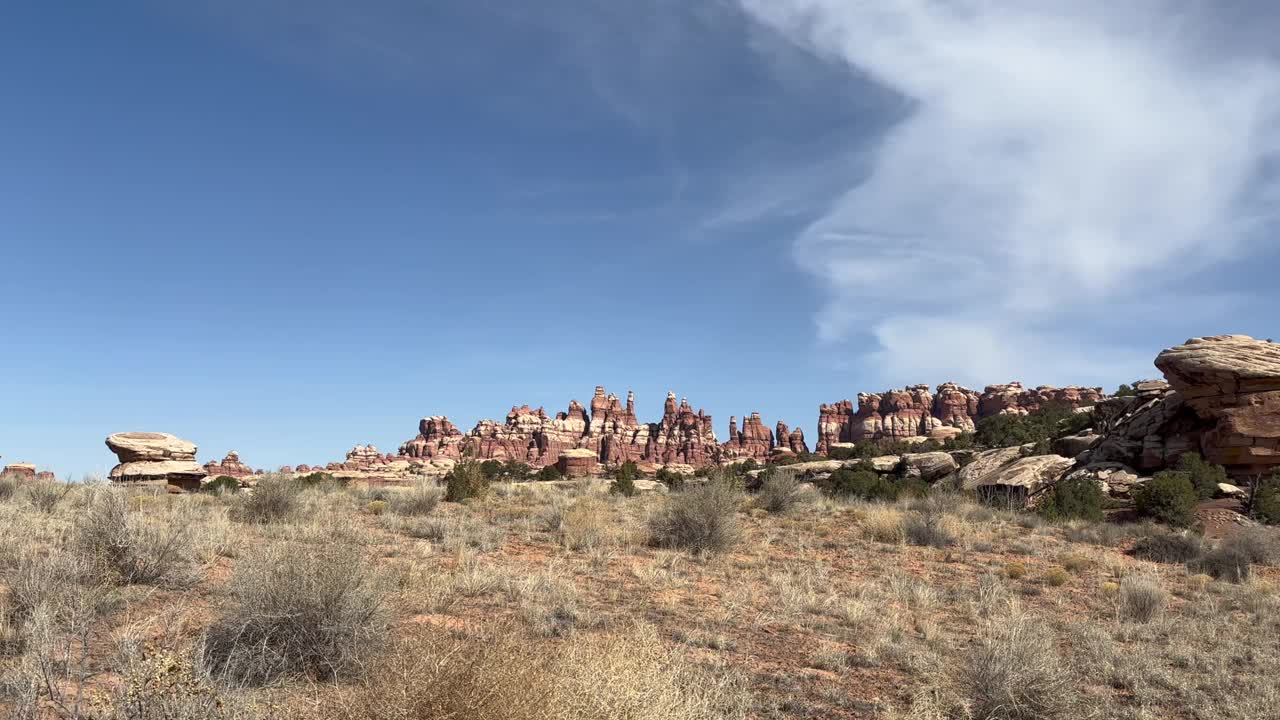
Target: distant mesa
20,471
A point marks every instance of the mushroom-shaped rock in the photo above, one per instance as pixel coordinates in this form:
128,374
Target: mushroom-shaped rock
155,458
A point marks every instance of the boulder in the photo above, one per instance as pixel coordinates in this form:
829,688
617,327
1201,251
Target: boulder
1018,479
156,459
1072,445
928,466
577,463
1231,491
1116,480
885,463
985,464
807,469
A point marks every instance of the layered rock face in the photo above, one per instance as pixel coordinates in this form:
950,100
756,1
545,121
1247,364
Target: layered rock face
1221,399
157,458
610,431
231,466
19,471
792,440
577,463
915,412
753,442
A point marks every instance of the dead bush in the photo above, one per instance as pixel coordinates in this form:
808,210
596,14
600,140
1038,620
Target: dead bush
1013,672
928,530
44,495
130,549
702,520
317,611
420,500
272,499
501,675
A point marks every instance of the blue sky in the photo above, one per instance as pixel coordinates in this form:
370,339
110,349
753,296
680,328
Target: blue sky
287,228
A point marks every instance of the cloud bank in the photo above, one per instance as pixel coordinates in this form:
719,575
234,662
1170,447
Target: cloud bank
1059,163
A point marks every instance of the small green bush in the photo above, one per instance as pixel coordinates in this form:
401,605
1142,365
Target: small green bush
672,479
1265,506
1204,476
491,469
319,480
1073,499
516,471
624,480
223,484
1161,546
860,482
467,480
549,473
1169,497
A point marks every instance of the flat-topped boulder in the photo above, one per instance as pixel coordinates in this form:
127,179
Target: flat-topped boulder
577,463
155,458
19,471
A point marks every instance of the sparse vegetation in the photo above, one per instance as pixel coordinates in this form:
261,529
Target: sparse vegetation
124,547
1169,497
1164,546
550,473
421,499
1225,562
466,481
702,519
624,480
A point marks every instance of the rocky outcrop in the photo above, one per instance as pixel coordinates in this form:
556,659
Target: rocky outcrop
577,463
1005,472
929,467
753,442
1232,385
230,466
915,412
437,438
792,440
19,471
155,458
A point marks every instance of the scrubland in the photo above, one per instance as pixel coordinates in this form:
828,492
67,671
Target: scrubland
539,602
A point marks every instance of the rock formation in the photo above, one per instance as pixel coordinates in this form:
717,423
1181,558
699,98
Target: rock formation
915,412
793,440
229,466
155,458
19,471
753,442
1221,399
577,463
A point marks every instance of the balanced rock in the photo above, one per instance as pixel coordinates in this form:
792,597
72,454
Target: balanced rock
155,458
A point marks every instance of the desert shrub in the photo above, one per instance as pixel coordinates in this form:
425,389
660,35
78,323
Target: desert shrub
318,613
1038,428
8,487
223,484
130,549
860,482
376,507
624,480
515,471
672,479
465,481
703,519
44,495
1013,672
273,498
584,524
779,492
421,499
164,684
491,469
1015,570
1057,577
883,524
927,530
1259,545
1141,598
502,675
323,481
550,473
1169,497
1072,499
1162,546
1264,504
1204,476
1224,562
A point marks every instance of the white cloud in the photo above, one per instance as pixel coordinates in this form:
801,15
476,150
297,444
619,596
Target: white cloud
1059,158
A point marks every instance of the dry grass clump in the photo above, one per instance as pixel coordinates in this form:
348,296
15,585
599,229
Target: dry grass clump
780,493
44,495
702,520
419,500
130,549
1259,545
1226,562
274,498
1142,598
499,675
883,523
317,611
928,529
1013,672
8,487
583,524
1162,546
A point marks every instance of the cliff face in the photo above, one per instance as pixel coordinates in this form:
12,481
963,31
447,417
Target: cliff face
916,412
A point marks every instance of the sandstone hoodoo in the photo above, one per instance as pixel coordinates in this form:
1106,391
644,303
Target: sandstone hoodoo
155,458
577,463
753,442
230,466
915,412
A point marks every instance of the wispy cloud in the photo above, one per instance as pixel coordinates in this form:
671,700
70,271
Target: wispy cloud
1058,159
